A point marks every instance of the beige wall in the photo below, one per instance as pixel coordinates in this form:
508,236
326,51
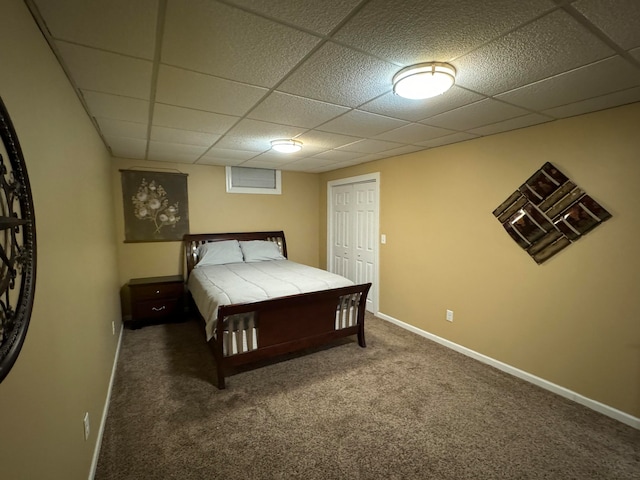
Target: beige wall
574,320
211,209
64,367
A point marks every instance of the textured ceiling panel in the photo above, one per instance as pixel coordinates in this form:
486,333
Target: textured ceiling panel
353,79
321,17
119,128
175,152
511,124
618,19
107,72
117,107
413,31
477,114
549,46
414,110
213,38
220,79
594,104
600,78
121,26
183,88
414,133
293,110
127,147
174,135
361,124
190,119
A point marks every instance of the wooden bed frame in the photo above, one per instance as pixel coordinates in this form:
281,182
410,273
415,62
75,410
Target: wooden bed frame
286,324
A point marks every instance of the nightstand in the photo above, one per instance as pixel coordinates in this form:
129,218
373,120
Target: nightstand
156,299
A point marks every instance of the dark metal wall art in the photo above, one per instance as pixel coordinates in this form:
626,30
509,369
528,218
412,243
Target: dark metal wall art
548,213
17,246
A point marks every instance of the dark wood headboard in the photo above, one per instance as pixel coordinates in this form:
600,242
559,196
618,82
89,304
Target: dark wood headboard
193,241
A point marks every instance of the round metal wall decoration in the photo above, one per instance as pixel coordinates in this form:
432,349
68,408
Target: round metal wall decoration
17,246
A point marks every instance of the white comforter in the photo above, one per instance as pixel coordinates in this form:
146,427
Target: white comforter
215,285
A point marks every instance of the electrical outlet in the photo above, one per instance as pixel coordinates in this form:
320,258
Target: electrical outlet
383,239
87,428
449,316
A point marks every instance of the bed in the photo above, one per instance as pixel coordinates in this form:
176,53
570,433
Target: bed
256,305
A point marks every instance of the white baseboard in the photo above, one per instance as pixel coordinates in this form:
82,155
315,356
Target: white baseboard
563,392
105,410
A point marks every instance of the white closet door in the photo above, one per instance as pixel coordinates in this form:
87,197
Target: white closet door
364,244
354,234
342,248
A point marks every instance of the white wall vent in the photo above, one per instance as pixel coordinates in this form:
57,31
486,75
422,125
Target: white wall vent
253,180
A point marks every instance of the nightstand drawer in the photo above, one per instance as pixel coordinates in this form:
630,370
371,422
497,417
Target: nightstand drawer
156,299
157,290
160,308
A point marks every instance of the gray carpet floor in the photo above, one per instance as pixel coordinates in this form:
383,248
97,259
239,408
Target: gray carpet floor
403,408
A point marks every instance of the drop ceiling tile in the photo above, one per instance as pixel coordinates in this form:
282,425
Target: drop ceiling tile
617,18
393,105
551,45
107,72
218,153
336,74
309,163
599,78
321,17
119,128
214,38
174,135
511,124
116,107
293,110
325,140
413,31
263,163
448,139
337,155
330,167
203,92
120,26
477,114
254,135
414,133
190,119
223,156
372,157
125,147
174,152
370,146
594,104
297,166
361,124
402,150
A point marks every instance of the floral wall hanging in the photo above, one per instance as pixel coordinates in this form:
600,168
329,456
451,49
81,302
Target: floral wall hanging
156,206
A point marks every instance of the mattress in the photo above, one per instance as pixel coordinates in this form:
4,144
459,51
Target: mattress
215,285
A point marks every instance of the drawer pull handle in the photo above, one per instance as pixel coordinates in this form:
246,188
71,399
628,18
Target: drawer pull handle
158,309
157,291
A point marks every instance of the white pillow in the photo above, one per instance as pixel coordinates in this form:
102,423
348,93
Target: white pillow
219,253
260,250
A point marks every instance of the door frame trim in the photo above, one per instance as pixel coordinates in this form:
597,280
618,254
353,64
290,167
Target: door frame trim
367,178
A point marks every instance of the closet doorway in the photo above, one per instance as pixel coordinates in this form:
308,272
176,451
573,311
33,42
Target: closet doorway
353,231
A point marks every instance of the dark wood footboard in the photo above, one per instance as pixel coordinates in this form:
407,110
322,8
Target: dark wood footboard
290,324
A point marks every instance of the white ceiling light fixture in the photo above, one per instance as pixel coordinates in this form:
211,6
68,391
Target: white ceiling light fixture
286,145
424,80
